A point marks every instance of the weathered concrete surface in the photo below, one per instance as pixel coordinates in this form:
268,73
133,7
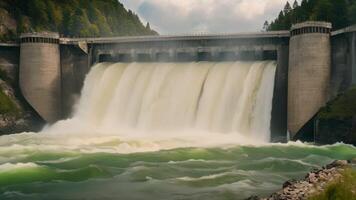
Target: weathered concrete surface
279,105
52,75
40,78
173,47
309,77
342,78
74,67
343,71
353,57
165,38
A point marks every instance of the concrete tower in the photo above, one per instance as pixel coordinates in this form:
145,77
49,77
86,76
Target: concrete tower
309,72
40,73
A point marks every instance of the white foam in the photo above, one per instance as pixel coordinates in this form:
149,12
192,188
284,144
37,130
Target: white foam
10,166
137,107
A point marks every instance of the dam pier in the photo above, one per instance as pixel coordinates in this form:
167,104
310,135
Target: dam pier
314,65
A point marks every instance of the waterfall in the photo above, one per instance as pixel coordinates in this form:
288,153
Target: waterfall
210,97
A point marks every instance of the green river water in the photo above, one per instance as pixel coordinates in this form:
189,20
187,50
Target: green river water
34,166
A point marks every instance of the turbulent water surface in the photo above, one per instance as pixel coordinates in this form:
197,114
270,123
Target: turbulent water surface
162,131
38,167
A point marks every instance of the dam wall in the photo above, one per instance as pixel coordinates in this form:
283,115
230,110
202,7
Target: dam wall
343,70
308,73
40,74
74,67
214,48
254,46
313,65
280,95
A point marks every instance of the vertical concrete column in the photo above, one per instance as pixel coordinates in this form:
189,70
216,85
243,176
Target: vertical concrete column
40,73
279,105
308,73
74,67
353,58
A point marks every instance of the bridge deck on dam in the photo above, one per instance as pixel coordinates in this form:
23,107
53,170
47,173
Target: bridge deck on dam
349,29
184,47
162,38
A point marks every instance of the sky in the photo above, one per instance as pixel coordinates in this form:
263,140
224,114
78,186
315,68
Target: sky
205,16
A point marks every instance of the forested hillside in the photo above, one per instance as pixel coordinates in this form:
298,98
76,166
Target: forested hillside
73,18
341,13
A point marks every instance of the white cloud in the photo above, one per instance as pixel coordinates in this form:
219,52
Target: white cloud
191,16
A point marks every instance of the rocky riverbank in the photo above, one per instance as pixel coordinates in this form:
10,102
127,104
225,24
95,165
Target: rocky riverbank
315,182
15,115
336,122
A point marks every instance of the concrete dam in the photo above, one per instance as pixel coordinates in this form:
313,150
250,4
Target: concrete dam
314,64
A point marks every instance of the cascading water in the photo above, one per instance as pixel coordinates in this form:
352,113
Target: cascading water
210,97
162,131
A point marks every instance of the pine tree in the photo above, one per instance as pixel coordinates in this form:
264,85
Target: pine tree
265,26
38,9
295,4
287,8
341,13
54,15
75,18
322,11
148,27
280,16
352,13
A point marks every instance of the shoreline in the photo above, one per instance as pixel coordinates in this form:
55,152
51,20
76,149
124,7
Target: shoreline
314,183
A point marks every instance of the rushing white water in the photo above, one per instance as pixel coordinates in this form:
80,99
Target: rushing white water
220,111
198,98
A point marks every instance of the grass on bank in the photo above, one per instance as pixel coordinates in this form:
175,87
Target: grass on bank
7,106
342,189
342,107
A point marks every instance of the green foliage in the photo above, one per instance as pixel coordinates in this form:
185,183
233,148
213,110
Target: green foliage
6,105
340,13
10,35
345,188
342,107
75,18
351,14
38,10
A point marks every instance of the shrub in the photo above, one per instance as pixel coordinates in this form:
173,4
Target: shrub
342,189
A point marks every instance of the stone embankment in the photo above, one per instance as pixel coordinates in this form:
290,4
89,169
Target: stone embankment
314,182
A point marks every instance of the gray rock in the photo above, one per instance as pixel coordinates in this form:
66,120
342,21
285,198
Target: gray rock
289,183
253,197
314,181
337,163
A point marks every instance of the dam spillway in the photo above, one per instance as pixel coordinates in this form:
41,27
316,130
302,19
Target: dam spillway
211,97
51,85
78,55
